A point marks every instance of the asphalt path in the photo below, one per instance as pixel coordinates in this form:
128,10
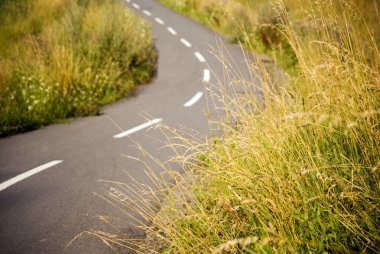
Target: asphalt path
49,178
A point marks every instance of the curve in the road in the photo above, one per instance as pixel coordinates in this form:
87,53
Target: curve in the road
198,55
41,214
190,103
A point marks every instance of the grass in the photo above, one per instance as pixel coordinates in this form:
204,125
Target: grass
67,58
300,175
257,26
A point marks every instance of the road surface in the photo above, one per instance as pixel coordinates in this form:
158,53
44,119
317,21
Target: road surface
49,177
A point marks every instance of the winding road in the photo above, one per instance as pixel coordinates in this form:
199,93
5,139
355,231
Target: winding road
49,177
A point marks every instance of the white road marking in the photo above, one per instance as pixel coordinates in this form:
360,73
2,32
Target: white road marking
138,128
172,31
27,174
206,75
128,1
200,57
136,6
185,42
148,13
194,100
159,21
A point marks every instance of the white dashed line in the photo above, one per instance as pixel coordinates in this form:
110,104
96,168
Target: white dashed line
186,43
159,21
206,75
136,6
138,128
27,174
128,1
148,13
200,57
194,100
172,31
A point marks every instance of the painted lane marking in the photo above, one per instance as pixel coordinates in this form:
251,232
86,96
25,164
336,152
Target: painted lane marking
138,128
159,21
27,174
194,100
206,75
148,13
185,42
136,6
128,1
200,57
172,31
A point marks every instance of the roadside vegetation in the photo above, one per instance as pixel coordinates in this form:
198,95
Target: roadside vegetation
300,175
256,25
66,58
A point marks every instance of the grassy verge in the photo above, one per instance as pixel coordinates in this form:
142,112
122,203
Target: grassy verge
66,58
257,25
301,175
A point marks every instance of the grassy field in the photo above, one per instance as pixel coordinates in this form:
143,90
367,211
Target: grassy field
301,175
66,58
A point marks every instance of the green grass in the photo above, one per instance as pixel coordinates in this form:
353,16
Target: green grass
257,26
301,175
67,58
254,24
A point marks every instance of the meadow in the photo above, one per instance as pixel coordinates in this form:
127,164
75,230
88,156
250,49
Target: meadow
67,58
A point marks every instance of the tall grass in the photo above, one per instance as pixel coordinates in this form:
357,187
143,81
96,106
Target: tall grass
256,25
66,58
301,175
